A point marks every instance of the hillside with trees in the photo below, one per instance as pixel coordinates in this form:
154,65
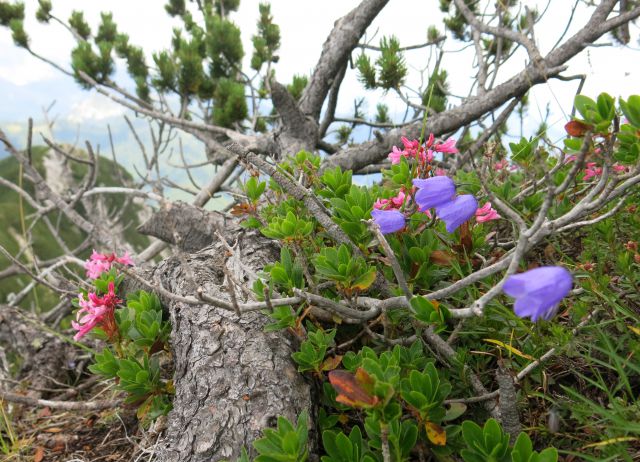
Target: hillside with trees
437,286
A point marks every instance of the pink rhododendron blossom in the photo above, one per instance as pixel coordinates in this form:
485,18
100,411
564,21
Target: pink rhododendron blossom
570,159
440,172
413,149
591,171
486,213
98,263
393,202
501,164
448,146
430,140
426,156
396,154
619,168
97,311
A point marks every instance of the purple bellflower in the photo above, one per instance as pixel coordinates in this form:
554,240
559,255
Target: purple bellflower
538,292
389,221
457,211
434,191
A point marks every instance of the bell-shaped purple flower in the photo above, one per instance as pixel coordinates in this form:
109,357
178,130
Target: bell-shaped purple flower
434,191
538,292
457,211
389,221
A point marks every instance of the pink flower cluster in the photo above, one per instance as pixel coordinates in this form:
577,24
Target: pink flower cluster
393,203
412,149
486,213
98,263
96,311
593,170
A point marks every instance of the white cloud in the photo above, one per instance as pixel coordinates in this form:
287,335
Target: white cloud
304,28
19,68
94,108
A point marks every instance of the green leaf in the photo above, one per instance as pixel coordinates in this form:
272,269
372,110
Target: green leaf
455,410
522,448
586,107
631,109
606,107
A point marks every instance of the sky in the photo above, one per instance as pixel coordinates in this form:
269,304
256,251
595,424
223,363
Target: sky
28,85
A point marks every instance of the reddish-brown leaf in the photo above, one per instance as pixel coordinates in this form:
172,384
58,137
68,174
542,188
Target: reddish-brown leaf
577,128
350,392
242,209
39,455
466,239
440,257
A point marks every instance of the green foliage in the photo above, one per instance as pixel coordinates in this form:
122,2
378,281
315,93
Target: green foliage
487,444
254,188
337,182
224,7
286,274
79,25
267,42
141,320
631,109
427,311
523,151
523,451
99,66
597,114
230,103
351,209
11,12
456,22
313,350
382,114
289,228
284,444
340,448
366,72
18,34
401,436
223,47
424,392
343,133
108,30
175,7
167,72
350,274
43,14
391,64
297,86
142,337
190,77
435,95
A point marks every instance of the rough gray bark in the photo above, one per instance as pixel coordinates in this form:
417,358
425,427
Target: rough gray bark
45,358
187,226
232,379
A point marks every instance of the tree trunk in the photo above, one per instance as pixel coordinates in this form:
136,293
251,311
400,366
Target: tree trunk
232,379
